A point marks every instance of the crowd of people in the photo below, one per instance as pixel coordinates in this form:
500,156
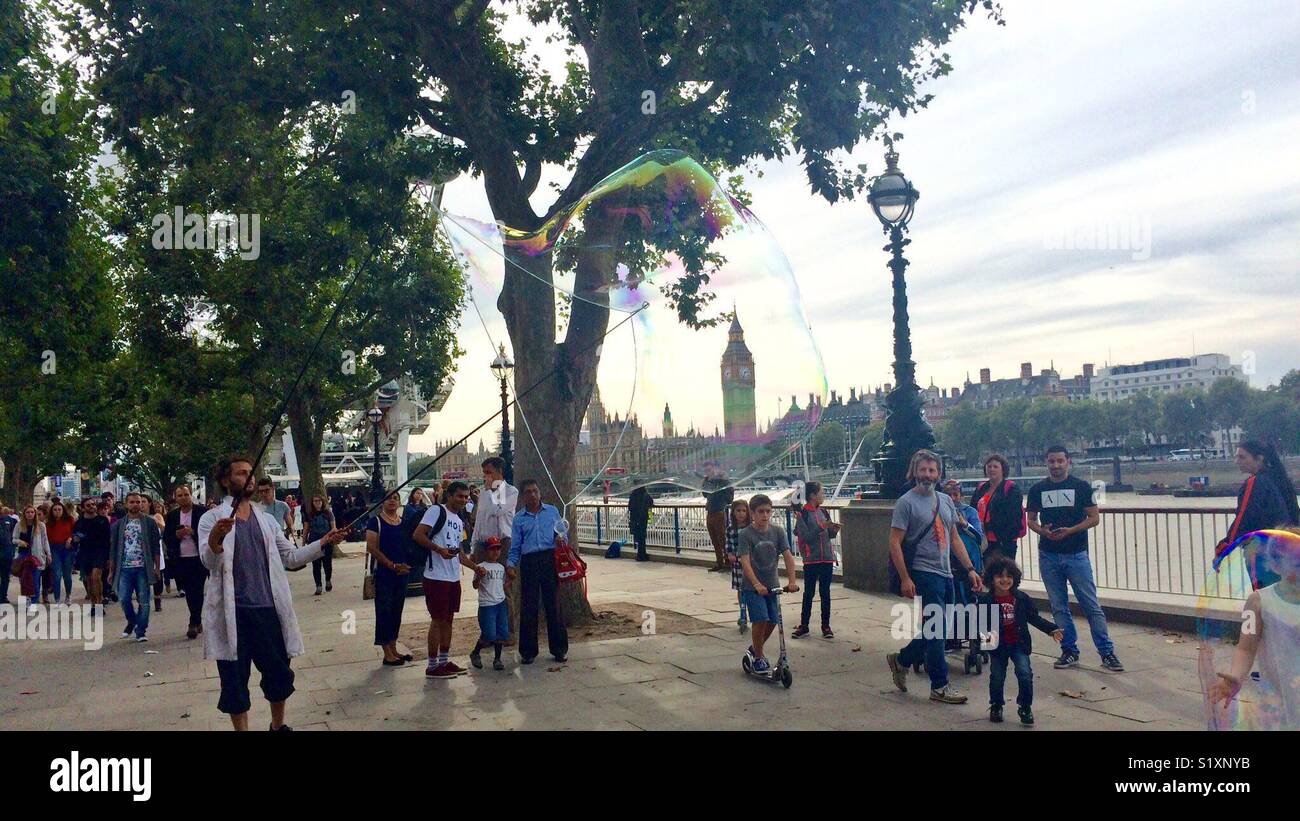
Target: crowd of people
229,563
933,528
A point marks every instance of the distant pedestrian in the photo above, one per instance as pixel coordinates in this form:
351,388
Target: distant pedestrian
317,520
33,551
133,564
8,523
814,532
278,509
156,511
62,550
1001,508
1067,510
923,533
180,536
737,520
718,494
638,520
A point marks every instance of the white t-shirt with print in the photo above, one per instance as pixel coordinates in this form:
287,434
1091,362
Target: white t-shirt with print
436,568
492,587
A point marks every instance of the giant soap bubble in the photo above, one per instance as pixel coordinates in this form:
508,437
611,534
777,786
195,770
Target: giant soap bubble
716,379
1249,620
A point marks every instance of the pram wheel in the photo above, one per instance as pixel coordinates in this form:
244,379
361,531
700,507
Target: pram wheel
787,678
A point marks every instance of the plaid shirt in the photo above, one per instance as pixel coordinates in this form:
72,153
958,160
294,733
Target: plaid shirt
733,538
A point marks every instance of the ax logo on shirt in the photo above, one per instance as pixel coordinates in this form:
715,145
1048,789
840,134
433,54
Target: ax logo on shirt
1058,498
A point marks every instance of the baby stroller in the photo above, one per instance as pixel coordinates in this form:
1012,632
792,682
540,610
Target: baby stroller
976,657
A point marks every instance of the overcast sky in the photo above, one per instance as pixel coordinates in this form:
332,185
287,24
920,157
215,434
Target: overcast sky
1169,129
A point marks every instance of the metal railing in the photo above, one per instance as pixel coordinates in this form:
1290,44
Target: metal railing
1148,551
680,528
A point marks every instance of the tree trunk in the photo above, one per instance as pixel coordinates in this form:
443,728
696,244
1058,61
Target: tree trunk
556,382
20,479
308,441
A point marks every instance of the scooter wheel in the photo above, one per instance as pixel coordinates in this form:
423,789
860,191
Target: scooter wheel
967,665
745,664
787,678
979,668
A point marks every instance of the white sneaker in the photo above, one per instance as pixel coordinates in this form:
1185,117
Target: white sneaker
141,638
126,634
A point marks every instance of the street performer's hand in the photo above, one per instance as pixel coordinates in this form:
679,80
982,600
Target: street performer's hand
336,535
218,534
908,589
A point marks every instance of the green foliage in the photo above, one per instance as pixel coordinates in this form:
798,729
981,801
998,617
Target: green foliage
57,299
828,444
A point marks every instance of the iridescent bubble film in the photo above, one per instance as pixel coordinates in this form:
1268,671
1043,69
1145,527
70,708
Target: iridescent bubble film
717,377
1249,624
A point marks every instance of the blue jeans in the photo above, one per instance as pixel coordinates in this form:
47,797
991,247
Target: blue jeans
937,590
134,580
1059,568
62,566
998,675
6,560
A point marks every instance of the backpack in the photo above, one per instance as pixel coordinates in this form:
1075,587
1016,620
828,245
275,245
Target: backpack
614,551
418,556
1024,516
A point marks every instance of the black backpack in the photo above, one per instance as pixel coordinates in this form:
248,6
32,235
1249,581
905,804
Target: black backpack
418,556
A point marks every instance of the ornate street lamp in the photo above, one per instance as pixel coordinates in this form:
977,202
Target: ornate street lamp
376,416
893,199
501,368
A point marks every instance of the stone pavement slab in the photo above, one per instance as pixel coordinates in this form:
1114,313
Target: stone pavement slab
668,681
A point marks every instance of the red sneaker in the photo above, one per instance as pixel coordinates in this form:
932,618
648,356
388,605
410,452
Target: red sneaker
440,671
455,669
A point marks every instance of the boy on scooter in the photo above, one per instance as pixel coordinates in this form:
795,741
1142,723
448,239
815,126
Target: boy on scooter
759,546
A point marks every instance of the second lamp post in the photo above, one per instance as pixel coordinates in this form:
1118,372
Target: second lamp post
501,368
892,198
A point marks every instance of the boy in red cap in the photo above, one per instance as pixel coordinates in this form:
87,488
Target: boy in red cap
493,616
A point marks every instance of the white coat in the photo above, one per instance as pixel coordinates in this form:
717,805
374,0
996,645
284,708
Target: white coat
219,635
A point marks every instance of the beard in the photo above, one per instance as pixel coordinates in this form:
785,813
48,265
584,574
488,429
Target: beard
926,484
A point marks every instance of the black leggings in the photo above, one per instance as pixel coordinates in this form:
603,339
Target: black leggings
328,561
817,577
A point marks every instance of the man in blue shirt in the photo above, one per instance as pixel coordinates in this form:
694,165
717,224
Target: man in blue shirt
532,552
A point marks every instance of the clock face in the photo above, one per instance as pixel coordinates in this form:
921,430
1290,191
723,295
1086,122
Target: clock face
726,373
744,373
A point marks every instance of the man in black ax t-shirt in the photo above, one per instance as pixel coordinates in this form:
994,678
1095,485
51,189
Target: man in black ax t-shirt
1066,508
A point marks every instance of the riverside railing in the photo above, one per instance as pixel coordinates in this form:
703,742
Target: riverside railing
1152,552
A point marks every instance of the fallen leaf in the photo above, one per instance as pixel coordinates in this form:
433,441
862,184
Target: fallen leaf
148,674
380,692
855,649
1074,693
30,693
185,715
554,669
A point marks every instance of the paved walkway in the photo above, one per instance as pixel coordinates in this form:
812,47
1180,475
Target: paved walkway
678,681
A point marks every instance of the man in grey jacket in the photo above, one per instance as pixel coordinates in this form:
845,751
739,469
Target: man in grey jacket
133,563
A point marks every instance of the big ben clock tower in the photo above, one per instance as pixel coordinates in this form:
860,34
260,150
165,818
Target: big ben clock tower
738,412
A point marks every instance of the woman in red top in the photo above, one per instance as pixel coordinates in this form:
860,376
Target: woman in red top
1001,508
58,527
